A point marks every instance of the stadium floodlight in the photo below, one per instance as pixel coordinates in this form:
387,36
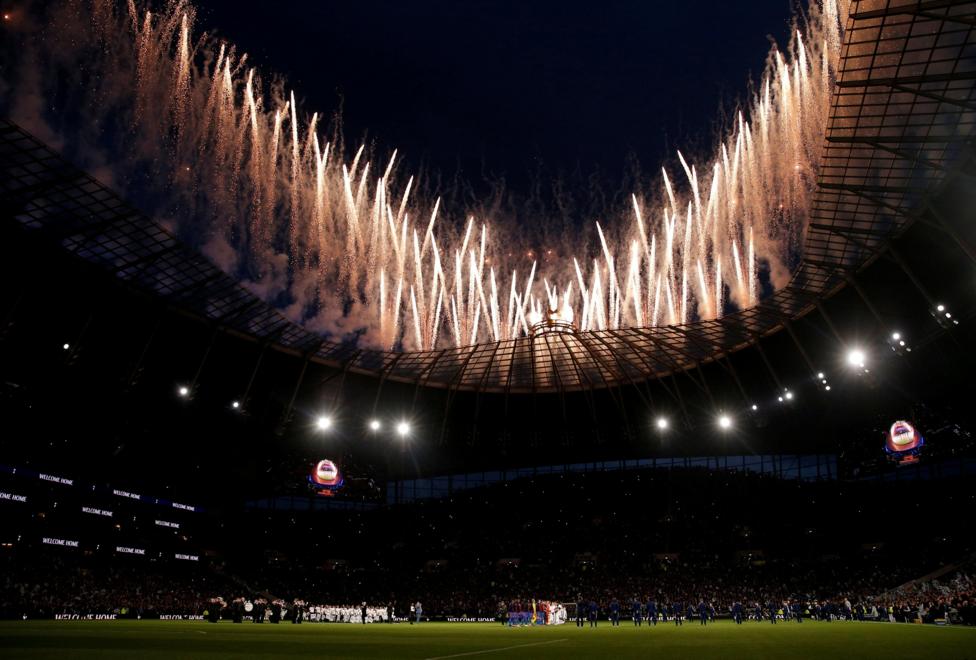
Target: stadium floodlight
403,429
943,316
898,344
374,425
856,357
66,346
323,423
183,391
236,405
755,407
662,423
788,395
725,422
820,375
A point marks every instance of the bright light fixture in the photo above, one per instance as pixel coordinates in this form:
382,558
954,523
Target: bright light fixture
374,425
183,390
725,422
323,423
402,429
662,423
856,357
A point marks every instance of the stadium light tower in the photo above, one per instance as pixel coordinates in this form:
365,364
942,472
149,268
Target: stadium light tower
323,423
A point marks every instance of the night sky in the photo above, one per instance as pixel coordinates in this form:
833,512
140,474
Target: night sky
524,89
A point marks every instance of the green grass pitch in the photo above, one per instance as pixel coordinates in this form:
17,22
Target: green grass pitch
147,640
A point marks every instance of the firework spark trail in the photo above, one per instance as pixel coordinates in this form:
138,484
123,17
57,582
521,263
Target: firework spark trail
245,164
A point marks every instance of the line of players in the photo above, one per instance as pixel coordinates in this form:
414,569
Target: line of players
677,612
298,611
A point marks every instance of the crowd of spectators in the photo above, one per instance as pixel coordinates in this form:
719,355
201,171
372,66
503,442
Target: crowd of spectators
58,583
681,534
951,597
684,536
61,587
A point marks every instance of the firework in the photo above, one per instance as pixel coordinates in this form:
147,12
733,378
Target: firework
346,245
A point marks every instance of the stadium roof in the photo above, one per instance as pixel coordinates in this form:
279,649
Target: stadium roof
901,125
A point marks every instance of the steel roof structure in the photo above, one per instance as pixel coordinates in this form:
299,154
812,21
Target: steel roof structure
902,119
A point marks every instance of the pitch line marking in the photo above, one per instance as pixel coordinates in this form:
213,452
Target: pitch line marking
504,648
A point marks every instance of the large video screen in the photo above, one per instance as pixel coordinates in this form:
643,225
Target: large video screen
903,442
325,477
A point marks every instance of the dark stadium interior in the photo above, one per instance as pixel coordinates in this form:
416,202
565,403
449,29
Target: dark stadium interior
175,445
570,498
